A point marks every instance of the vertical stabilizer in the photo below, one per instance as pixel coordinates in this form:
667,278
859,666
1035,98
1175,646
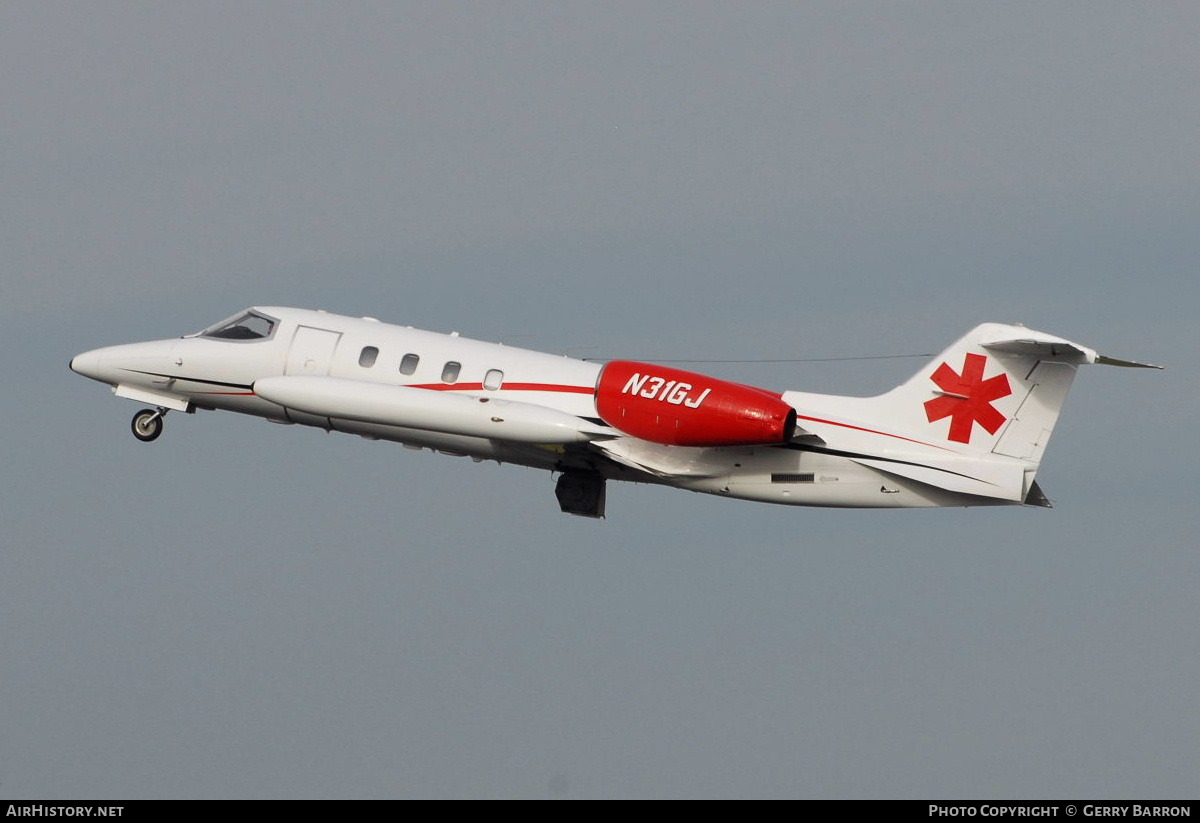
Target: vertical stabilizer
994,394
998,389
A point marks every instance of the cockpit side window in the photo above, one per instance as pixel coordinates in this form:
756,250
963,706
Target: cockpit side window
246,326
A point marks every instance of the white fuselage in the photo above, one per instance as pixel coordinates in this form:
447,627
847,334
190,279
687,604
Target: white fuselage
532,392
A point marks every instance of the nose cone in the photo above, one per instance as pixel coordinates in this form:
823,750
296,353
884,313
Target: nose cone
131,363
88,364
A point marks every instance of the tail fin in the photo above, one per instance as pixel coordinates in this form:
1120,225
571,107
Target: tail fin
998,390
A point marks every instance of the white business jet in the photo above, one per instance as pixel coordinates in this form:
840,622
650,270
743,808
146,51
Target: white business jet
969,428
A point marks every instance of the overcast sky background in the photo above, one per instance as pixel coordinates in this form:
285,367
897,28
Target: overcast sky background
248,610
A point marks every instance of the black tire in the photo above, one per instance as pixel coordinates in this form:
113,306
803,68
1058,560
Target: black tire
147,425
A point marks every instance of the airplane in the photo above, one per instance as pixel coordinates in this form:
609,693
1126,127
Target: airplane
968,429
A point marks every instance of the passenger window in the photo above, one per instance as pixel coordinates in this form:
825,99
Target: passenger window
409,364
450,372
493,380
366,357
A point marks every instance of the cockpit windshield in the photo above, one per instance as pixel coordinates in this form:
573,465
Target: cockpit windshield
249,325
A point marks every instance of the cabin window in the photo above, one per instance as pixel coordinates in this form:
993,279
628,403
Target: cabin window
366,358
493,380
409,364
450,372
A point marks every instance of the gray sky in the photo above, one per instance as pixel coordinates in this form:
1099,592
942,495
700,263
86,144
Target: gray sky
246,610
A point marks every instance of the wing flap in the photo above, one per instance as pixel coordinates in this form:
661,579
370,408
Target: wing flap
664,461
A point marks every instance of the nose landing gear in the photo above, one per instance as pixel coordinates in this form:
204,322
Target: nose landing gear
147,424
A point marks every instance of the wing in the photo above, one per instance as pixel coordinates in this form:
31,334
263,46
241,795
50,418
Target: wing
414,408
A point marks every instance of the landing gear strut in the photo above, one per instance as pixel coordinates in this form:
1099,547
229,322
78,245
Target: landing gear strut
147,424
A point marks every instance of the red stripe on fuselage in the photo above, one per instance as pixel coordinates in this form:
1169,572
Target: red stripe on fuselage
872,431
551,387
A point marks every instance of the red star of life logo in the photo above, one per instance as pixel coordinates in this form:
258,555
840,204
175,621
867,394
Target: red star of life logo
966,398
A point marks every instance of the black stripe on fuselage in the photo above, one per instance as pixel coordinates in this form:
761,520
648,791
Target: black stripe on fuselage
801,447
193,379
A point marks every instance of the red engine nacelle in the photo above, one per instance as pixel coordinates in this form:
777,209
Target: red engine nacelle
681,408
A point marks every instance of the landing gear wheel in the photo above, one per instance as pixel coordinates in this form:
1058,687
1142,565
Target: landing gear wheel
147,425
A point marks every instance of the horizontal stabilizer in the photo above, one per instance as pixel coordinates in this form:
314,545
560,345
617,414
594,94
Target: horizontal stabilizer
1049,347
1040,345
1128,364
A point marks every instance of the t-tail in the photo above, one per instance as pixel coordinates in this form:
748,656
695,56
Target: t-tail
974,421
